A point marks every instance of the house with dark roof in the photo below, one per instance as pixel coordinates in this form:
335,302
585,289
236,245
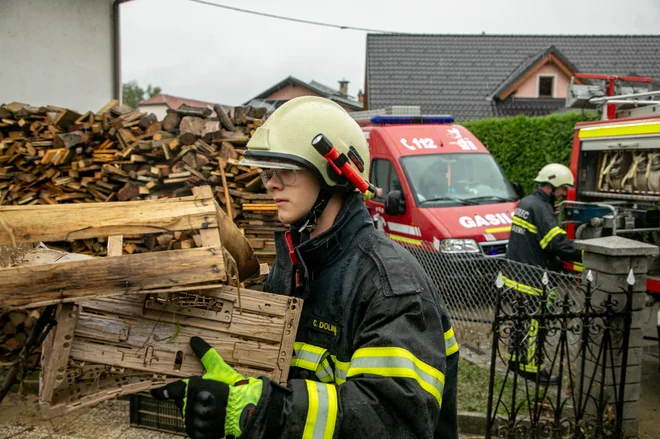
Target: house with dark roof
291,87
479,76
159,104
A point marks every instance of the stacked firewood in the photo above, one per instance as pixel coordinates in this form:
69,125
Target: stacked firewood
15,329
15,325
52,155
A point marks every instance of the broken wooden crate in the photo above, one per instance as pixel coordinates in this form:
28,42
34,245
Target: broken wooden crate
124,321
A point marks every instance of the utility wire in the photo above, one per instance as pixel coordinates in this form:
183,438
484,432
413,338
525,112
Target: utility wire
297,20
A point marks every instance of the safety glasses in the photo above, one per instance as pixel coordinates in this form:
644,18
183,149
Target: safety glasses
286,177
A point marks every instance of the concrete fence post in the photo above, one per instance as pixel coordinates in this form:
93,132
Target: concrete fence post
614,262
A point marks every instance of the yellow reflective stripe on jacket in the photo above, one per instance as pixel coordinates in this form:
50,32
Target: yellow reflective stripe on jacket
307,356
321,411
325,373
451,345
341,368
313,358
398,363
550,235
521,287
525,224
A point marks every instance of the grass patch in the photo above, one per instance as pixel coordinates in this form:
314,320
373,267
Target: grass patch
473,388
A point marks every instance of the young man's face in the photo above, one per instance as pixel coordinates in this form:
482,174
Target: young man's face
294,195
561,192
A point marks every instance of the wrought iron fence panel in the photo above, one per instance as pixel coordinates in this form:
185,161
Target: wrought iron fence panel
518,318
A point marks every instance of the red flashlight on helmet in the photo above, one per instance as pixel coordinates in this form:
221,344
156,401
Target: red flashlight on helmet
340,163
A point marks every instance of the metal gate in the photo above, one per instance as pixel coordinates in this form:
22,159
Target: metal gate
578,337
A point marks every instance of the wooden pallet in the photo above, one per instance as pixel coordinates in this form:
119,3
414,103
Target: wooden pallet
104,348
124,321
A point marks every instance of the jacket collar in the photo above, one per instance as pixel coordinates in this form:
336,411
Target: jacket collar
538,192
328,246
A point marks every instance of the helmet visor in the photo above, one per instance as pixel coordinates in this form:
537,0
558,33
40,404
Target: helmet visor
269,164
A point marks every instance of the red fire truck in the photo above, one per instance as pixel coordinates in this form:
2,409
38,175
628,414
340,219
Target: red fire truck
616,162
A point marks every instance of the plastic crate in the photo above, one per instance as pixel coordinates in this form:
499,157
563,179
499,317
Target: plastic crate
151,413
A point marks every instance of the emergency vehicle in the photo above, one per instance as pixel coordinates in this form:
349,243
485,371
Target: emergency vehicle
616,164
440,185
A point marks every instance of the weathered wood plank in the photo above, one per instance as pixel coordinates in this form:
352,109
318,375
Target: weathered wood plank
82,395
291,321
60,283
56,363
154,360
102,328
259,326
268,329
256,302
91,220
136,335
89,395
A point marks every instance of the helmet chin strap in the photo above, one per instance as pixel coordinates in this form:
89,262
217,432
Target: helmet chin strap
308,222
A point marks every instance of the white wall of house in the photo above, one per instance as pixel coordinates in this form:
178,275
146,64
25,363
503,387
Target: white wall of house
160,110
57,52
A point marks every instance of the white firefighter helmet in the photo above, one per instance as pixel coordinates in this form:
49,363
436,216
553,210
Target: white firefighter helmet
285,140
556,175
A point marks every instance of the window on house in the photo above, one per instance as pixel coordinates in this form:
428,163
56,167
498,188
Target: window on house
546,86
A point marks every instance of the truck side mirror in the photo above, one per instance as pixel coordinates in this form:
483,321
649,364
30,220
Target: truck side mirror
519,189
395,203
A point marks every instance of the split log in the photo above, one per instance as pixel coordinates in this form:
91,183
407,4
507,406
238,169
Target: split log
224,119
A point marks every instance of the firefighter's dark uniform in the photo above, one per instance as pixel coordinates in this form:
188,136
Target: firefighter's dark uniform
536,239
375,355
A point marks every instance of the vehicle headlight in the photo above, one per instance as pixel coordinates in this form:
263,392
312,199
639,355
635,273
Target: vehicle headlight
459,246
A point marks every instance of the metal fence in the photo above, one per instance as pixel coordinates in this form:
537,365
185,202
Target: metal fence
514,317
580,339
467,282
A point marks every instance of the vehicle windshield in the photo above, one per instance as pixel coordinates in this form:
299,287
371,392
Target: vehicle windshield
442,179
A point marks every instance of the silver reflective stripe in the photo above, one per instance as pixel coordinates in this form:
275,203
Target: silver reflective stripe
451,345
307,356
322,414
321,411
341,369
397,363
324,372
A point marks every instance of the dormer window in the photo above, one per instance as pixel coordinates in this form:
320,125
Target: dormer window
546,87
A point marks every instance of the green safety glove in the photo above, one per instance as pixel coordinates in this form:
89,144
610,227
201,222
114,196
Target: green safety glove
217,404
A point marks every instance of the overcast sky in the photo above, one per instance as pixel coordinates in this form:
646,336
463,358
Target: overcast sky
203,52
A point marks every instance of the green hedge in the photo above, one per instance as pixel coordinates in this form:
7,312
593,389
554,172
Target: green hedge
523,145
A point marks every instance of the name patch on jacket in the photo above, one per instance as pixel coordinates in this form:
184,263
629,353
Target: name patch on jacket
324,326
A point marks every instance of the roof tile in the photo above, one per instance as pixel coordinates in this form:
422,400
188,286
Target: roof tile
456,73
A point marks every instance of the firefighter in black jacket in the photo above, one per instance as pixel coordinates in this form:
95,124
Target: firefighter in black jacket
536,239
375,355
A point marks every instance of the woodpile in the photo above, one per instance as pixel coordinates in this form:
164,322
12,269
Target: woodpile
52,155
16,327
